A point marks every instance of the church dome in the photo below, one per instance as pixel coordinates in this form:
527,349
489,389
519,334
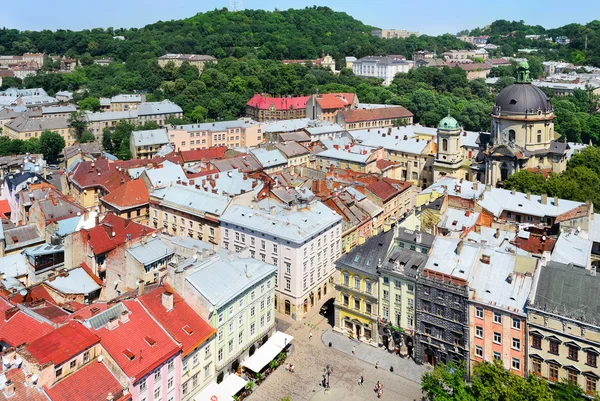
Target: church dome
449,123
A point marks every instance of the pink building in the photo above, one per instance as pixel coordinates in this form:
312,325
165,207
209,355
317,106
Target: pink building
498,293
243,133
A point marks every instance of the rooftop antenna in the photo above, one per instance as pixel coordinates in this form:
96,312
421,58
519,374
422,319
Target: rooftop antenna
236,5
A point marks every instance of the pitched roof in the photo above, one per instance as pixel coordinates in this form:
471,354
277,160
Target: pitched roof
62,344
127,344
58,208
101,238
94,380
99,173
387,188
130,194
366,258
335,100
150,137
384,113
216,152
23,390
291,149
20,328
186,326
26,124
264,102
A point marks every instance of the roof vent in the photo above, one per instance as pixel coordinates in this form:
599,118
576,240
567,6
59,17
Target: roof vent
130,355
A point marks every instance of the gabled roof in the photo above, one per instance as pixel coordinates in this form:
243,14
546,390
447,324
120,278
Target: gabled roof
384,113
368,256
264,102
94,380
186,326
55,208
130,194
62,344
387,188
101,238
19,328
291,149
128,346
216,152
99,173
335,100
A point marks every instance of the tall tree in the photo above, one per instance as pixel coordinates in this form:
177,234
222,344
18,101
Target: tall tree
51,145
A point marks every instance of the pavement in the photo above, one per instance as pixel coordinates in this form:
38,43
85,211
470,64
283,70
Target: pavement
310,356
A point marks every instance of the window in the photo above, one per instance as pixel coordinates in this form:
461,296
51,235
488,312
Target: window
497,318
156,376
288,284
357,283
479,351
206,352
143,384
516,343
207,371
356,303
571,376
497,356
171,365
220,354
516,323
230,345
157,393
427,290
536,367
386,295
241,303
73,364
398,298
170,382
252,329
195,361
86,356
411,303
479,312
241,337
263,244
288,267
221,317
536,342
346,300
262,321
58,372
497,338
553,349
184,388
368,308
573,353
220,335
386,280
386,313
592,359
552,372
240,319
590,385
368,287
516,363
479,331
252,311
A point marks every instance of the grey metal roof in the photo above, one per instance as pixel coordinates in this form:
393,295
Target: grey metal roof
22,236
78,281
269,158
150,251
521,99
150,137
368,256
410,236
195,201
44,249
154,108
568,291
26,124
404,261
217,126
292,149
102,318
221,280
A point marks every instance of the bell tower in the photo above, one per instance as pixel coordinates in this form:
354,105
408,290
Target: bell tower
449,157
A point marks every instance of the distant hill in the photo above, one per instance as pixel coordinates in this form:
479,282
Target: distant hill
289,34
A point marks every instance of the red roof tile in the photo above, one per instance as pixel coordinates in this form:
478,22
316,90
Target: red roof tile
534,244
51,312
216,152
382,164
62,344
99,173
23,392
182,322
130,338
4,207
101,238
130,194
92,382
335,100
20,328
281,103
387,188
34,293
384,113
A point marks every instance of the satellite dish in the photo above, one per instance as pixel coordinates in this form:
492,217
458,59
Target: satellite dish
100,358
23,292
211,309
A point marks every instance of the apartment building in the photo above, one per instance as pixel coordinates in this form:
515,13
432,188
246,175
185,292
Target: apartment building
244,133
24,128
382,67
197,60
303,242
266,108
394,196
122,102
325,106
375,118
146,144
393,33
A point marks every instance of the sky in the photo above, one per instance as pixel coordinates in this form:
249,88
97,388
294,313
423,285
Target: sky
432,17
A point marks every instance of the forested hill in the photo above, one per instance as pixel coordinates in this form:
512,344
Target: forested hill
290,34
510,35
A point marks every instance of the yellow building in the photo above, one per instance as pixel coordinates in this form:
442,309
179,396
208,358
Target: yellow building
178,59
25,128
355,158
356,306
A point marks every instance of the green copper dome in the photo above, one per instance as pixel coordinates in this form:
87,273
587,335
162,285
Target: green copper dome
449,123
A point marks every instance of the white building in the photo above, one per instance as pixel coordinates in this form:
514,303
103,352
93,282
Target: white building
384,67
302,241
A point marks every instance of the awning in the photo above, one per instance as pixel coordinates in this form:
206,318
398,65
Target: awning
214,392
268,351
233,384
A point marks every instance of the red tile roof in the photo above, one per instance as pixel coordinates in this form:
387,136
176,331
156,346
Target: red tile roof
534,244
130,194
576,213
216,152
99,173
93,382
382,164
130,338
384,113
185,325
62,344
335,100
264,102
51,312
34,293
132,163
20,328
387,188
23,392
4,208
101,238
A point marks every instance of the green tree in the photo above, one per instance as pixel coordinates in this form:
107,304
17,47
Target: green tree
526,181
78,122
32,146
107,141
446,383
90,103
87,137
51,145
198,115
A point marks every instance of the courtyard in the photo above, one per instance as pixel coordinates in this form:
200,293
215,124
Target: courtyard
310,356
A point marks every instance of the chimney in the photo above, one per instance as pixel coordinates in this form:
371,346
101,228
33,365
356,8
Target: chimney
555,200
418,237
509,279
110,397
475,186
485,259
124,316
167,300
528,195
141,285
544,199
513,191
113,323
9,388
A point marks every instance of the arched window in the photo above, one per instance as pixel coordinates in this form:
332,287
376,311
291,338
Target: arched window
444,145
511,135
539,136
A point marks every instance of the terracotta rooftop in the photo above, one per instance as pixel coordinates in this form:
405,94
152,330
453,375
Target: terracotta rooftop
93,382
4,208
128,346
17,328
101,237
216,152
99,173
382,164
129,195
534,244
384,113
264,102
335,100
387,188
62,344
23,392
185,325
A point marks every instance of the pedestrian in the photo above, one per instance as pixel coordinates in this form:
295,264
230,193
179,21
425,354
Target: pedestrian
353,349
310,336
362,380
377,387
377,366
292,368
